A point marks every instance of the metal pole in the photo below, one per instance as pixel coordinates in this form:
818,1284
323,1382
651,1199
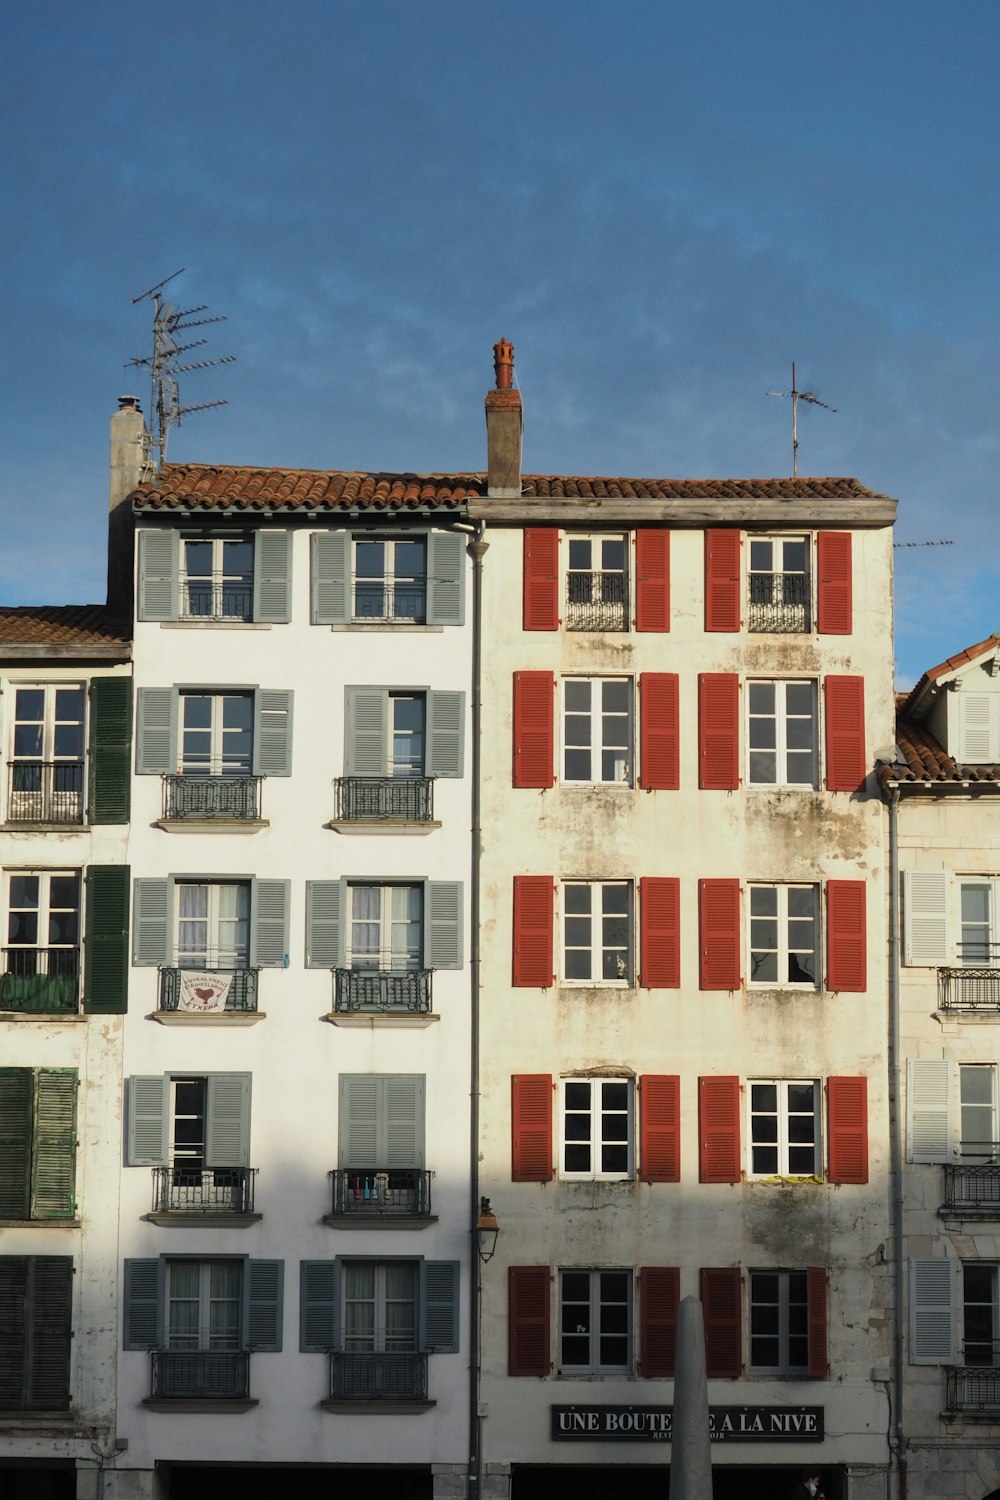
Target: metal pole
477,547
690,1442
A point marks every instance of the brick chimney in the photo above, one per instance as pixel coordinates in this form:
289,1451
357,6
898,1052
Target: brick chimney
129,456
503,428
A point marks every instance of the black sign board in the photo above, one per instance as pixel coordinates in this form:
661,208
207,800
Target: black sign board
652,1424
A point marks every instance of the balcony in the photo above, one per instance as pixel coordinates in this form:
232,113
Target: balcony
398,602
378,1377
976,1388
596,601
40,980
384,799
973,1190
207,1194
201,1375
209,798
212,596
779,603
392,1198
225,995
374,992
45,792
975,985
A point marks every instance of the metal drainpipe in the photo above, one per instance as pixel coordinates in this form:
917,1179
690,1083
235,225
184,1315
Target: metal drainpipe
477,547
896,1143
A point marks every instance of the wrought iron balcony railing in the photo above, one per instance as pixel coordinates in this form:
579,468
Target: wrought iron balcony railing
970,1186
374,990
40,979
201,1374
403,601
973,984
188,795
212,596
203,1190
375,1190
976,1386
596,601
45,791
378,1377
180,991
778,602
380,798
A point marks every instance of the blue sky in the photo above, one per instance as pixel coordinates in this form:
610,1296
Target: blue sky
662,204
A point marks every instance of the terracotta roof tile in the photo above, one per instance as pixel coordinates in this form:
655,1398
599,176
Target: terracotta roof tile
62,625
923,759
911,700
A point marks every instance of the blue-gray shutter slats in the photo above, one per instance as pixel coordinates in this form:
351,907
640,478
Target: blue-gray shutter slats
142,1320
325,904
272,577
151,936
367,731
445,734
272,735
148,1120
443,924
263,1291
269,929
330,572
933,1288
446,578
319,1306
382,1120
158,553
227,1120
439,1306
156,731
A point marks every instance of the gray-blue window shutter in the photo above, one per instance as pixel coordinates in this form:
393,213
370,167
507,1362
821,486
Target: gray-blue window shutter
263,1293
319,1305
156,731
151,936
272,732
359,1119
445,578
269,926
439,1306
272,577
330,572
158,553
227,1120
403,1115
142,1313
148,1120
443,924
325,905
367,731
445,734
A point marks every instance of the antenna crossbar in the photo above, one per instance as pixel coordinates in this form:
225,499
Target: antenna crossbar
795,395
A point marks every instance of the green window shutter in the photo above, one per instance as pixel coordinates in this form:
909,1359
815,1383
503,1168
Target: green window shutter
227,1123
110,750
330,570
156,731
151,936
269,924
14,1282
367,732
158,554
142,1309
263,1288
439,1306
15,1142
50,1332
148,1120
443,924
105,968
445,734
445,578
325,904
404,1121
272,577
53,1176
319,1306
272,732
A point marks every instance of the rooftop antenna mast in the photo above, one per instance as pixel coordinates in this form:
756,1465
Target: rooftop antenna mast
796,396
165,406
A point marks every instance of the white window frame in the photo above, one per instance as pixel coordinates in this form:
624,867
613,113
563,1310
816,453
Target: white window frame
783,1145
600,722
206,1339
231,594
594,1305
785,948
217,763
777,540
993,1304
618,611
966,955
785,1366
978,1147
387,960
781,717
595,945
412,766
49,721
586,1120
44,911
29,786
391,614
216,955
379,1341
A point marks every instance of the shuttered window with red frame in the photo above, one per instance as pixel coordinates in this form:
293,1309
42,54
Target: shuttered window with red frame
722,580
834,592
528,1314
719,934
533,926
847,1126
531,1127
534,729
816,1293
846,751
660,1127
718,731
659,732
659,1299
660,932
719,1129
721,1300
652,580
846,936
541,578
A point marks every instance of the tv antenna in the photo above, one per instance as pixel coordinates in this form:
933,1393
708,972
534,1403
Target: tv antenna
945,542
796,396
165,407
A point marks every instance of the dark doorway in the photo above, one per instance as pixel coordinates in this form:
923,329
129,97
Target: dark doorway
41,1481
652,1482
312,1482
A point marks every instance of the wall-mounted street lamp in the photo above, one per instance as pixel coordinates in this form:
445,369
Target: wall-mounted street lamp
487,1230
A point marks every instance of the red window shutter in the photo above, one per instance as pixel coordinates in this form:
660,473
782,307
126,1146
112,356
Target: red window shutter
847,1122
531,1127
660,932
834,601
718,731
719,914
719,1129
532,932
541,578
659,732
816,1314
528,1320
534,709
722,580
846,759
659,1299
721,1298
846,936
652,580
660,1134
